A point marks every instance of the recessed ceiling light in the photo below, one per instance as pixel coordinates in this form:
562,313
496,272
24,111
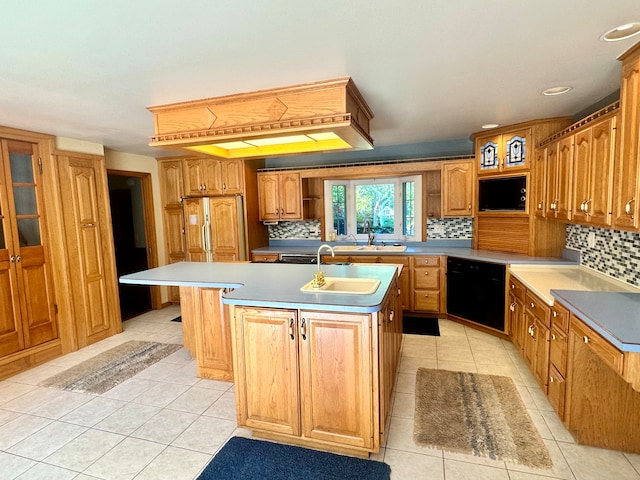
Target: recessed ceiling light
556,91
622,32
490,125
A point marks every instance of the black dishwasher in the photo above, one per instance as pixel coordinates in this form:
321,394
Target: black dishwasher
476,291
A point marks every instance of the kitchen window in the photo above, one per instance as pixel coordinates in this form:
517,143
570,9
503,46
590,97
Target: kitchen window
389,207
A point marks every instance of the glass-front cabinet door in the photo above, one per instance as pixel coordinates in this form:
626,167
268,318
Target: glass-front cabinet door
27,311
503,153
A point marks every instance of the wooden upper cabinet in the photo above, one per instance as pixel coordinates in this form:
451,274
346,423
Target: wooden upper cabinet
225,229
593,157
280,196
538,190
171,185
457,189
626,211
504,153
559,180
213,176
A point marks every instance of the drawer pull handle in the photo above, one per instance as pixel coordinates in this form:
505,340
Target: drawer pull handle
586,339
390,316
551,379
512,307
533,305
513,286
553,336
554,313
303,329
291,329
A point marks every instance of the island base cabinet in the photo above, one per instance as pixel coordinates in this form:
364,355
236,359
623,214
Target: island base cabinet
206,331
306,377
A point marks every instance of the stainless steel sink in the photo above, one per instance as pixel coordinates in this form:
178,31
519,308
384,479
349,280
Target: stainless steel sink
344,285
369,248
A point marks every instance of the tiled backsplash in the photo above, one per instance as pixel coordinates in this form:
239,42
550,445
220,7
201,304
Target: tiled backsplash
615,253
450,228
437,228
307,229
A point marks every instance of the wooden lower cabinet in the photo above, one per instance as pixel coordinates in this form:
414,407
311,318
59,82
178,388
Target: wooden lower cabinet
602,408
427,280
206,331
316,378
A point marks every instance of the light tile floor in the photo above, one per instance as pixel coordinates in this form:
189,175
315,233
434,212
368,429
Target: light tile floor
166,423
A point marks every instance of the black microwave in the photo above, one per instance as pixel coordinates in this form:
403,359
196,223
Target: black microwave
507,194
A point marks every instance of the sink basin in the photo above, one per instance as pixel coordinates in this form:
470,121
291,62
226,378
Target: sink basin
343,285
369,248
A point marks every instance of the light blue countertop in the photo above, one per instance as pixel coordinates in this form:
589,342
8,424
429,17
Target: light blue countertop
420,249
271,285
614,315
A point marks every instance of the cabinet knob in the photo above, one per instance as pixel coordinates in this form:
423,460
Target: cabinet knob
539,205
12,259
18,259
513,285
224,186
469,207
426,273
586,339
426,295
627,208
390,316
554,313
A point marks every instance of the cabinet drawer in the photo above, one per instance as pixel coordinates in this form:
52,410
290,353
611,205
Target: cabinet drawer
558,349
426,261
427,301
540,310
397,259
556,391
516,288
264,257
337,259
426,278
560,317
601,347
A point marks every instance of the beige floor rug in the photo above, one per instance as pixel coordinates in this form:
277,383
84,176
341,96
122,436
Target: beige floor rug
482,415
110,368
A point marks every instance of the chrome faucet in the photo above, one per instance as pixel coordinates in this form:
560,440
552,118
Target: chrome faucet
355,240
371,236
318,277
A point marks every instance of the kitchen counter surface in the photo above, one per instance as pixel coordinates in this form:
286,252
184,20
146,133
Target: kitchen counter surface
614,315
271,285
460,252
609,306
542,279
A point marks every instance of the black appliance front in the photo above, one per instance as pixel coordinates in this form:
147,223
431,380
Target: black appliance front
502,194
476,291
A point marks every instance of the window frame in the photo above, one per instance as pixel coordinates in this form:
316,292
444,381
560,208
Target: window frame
350,214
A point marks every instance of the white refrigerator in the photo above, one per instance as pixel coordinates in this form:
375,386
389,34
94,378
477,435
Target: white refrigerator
214,229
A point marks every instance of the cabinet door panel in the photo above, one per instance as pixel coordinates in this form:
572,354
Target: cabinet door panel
193,175
268,367
457,189
565,171
224,228
552,180
232,177
290,197
269,201
11,339
582,153
212,178
601,180
336,382
627,176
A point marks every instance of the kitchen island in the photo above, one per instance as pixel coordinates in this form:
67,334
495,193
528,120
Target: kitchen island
314,369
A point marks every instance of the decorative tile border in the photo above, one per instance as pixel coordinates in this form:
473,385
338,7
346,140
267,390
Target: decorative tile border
437,229
615,253
450,228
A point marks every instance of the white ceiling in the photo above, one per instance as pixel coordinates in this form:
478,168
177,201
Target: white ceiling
431,70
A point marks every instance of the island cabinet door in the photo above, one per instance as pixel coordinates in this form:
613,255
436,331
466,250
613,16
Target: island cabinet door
267,370
336,378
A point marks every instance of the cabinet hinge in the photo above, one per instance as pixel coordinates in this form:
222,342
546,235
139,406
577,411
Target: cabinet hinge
40,164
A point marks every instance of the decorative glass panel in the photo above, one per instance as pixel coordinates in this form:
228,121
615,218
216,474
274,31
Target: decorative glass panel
375,204
408,208
339,199
516,152
21,167
25,200
28,232
489,156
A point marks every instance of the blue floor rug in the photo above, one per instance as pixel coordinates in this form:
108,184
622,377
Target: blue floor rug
246,459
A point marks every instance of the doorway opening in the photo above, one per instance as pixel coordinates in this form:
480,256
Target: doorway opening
134,238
